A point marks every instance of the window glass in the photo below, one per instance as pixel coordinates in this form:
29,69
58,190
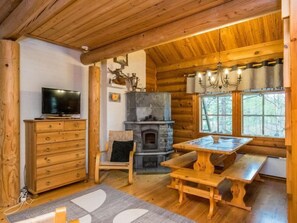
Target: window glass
263,114
216,114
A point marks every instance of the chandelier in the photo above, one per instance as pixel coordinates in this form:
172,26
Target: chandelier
220,77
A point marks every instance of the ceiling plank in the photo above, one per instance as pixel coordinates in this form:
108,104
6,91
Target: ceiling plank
6,7
165,12
28,15
218,16
271,49
259,30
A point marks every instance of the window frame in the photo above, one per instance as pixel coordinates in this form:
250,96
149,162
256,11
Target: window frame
262,115
217,114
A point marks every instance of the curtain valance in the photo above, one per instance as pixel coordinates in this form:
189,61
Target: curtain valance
266,75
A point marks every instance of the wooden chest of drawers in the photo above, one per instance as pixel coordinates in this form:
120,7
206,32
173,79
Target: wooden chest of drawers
55,153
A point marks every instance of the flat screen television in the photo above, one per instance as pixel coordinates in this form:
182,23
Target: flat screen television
60,102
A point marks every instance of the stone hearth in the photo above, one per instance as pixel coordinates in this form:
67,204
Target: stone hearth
149,116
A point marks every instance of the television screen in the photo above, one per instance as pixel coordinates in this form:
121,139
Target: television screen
59,101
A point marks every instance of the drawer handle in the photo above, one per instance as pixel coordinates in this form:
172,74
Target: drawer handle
48,138
48,183
75,124
47,159
50,126
77,155
77,175
47,149
77,145
76,135
48,172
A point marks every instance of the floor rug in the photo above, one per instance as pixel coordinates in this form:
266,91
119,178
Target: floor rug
104,204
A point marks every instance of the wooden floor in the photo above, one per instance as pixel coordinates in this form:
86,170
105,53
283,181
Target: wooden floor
268,199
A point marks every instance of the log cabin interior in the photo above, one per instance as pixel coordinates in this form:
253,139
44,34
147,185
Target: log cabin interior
152,67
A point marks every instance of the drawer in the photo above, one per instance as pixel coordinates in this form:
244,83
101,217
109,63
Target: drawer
74,125
60,168
74,135
60,180
58,147
49,160
51,137
49,126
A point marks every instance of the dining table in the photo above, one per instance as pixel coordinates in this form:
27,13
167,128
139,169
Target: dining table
212,145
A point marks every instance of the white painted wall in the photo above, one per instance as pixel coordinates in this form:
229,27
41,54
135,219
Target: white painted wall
113,114
46,65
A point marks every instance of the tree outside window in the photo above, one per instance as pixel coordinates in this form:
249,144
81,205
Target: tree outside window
216,114
263,114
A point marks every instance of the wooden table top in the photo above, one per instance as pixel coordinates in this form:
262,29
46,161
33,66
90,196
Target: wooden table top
225,145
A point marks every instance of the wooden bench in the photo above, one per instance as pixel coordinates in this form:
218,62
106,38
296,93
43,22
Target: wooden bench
212,181
243,172
185,160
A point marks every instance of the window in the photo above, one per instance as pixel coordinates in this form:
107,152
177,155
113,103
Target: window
216,114
263,114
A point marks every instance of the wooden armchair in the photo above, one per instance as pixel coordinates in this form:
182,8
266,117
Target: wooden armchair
104,159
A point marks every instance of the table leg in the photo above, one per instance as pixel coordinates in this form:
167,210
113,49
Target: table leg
203,162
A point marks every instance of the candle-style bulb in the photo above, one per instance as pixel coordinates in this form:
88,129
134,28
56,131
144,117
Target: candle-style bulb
239,72
226,71
209,73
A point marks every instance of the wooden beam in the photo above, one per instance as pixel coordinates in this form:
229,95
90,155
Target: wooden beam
255,53
224,14
29,15
10,123
94,118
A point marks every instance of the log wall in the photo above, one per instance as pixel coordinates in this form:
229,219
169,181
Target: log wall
151,72
185,107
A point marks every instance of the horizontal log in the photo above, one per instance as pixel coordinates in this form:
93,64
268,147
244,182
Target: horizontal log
183,133
241,55
263,150
183,126
181,103
180,139
199,22
179,110
172,88
181,95
181,117
172,81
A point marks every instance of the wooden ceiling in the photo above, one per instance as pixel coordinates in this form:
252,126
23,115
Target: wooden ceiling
256,31
114,27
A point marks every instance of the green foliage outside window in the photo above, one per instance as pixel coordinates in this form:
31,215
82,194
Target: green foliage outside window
216,114
263,114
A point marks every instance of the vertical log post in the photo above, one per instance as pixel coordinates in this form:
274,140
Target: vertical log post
9,123
292,198
94,117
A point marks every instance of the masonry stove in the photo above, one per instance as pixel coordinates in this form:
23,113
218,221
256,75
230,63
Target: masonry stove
149,116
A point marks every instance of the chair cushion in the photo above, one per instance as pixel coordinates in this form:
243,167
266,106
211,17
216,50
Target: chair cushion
120,151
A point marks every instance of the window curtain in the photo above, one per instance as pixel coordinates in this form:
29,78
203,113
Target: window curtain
261,76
